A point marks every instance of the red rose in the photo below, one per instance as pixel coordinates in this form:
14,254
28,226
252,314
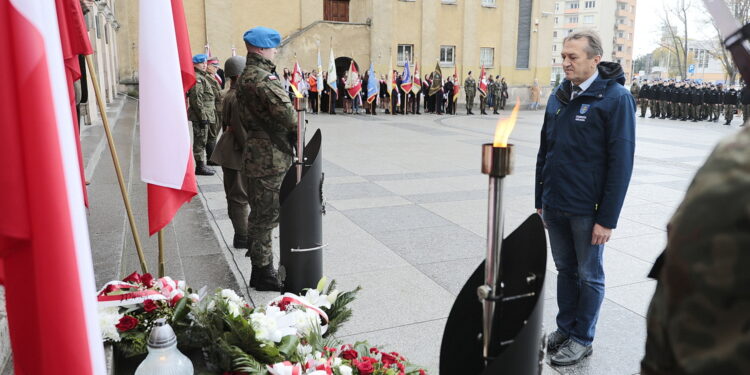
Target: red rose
149,305
422,372
175,299
349,354
374,350
370,359
400,366
365,368
148,280
387,359
134,278
127,323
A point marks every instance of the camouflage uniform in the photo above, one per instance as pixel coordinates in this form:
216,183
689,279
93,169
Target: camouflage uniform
202,112
228,154
213,129
270,121
699,316
470,87
497,89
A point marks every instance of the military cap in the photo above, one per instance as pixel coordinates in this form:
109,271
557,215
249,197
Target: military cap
262,37
199,58
213,60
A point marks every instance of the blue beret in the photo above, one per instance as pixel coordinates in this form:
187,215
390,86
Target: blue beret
262,37
200,58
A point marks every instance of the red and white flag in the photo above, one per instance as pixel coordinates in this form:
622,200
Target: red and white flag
296,79
44,244
353,82
167,164
483,82
74,40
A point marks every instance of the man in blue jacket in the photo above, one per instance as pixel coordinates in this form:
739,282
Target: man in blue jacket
582,174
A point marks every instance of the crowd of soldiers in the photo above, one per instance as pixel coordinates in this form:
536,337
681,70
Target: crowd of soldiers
690,100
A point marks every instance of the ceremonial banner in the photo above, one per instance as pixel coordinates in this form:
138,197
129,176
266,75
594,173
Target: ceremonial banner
437,80
482,83
353,82
332,79
417,86
373,86
406,80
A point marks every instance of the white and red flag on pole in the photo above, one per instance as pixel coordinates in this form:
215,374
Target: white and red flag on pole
296,78
483,82
167,164
74,40
45,255
353,82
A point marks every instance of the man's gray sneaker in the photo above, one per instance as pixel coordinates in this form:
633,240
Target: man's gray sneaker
555,340
570,353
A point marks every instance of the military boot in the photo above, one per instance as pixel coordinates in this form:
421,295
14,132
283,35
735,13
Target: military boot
265,279
240,241
202,170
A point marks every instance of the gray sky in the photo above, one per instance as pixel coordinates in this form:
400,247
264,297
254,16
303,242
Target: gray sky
648,24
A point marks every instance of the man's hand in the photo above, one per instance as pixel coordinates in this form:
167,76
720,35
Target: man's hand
600,235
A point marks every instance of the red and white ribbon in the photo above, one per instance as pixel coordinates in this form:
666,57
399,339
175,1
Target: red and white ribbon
295,299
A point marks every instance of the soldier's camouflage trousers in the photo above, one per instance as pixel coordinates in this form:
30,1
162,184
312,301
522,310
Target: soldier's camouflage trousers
676,110
666,108
213,133
728,112
654,108
263,196
717,110
644,107
695,111
237,205
482,103
200,134
469,102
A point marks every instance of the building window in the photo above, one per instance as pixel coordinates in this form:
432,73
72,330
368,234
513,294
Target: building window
620,34
523,43
588,19
487,56
572,5
621,21
557,20
589,4
623,6
448,1
554,47
554,34
554,61
571,19
557,7
447,55
619,48
488,3
405,51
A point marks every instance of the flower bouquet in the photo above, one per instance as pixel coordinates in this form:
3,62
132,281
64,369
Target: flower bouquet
129,307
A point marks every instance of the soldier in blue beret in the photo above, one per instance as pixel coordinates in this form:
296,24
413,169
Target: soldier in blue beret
201,113
270,122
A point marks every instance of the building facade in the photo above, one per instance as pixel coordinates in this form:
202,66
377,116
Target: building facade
460,35
612,19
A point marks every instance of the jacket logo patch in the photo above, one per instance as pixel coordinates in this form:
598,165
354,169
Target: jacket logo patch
580,118
584,108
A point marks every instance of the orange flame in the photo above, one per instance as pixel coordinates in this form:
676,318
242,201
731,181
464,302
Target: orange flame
505,126
296,92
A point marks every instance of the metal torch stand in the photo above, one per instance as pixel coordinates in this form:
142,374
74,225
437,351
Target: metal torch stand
502,334
301,214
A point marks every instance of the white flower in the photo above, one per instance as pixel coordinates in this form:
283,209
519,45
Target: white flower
316,372
305,320
284,368
332,297
233,308
194,297
272,325
316,299
108,318
345,370
336,362
304,350
230,295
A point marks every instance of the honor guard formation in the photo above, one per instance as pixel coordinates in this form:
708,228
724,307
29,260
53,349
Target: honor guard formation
691,100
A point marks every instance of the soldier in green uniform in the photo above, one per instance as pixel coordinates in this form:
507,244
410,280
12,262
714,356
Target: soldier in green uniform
228,154
643,96
201,113
634,89
213,129
470,87
730,101
497,90
698,320
270,121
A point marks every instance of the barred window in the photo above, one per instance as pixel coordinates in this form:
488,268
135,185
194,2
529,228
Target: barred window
487,56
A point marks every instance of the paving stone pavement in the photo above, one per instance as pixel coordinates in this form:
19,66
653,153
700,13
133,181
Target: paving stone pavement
407,221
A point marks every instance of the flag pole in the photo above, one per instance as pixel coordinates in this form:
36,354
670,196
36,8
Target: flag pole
116,162
161,253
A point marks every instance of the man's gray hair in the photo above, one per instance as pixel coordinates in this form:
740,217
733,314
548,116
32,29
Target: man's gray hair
595,43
